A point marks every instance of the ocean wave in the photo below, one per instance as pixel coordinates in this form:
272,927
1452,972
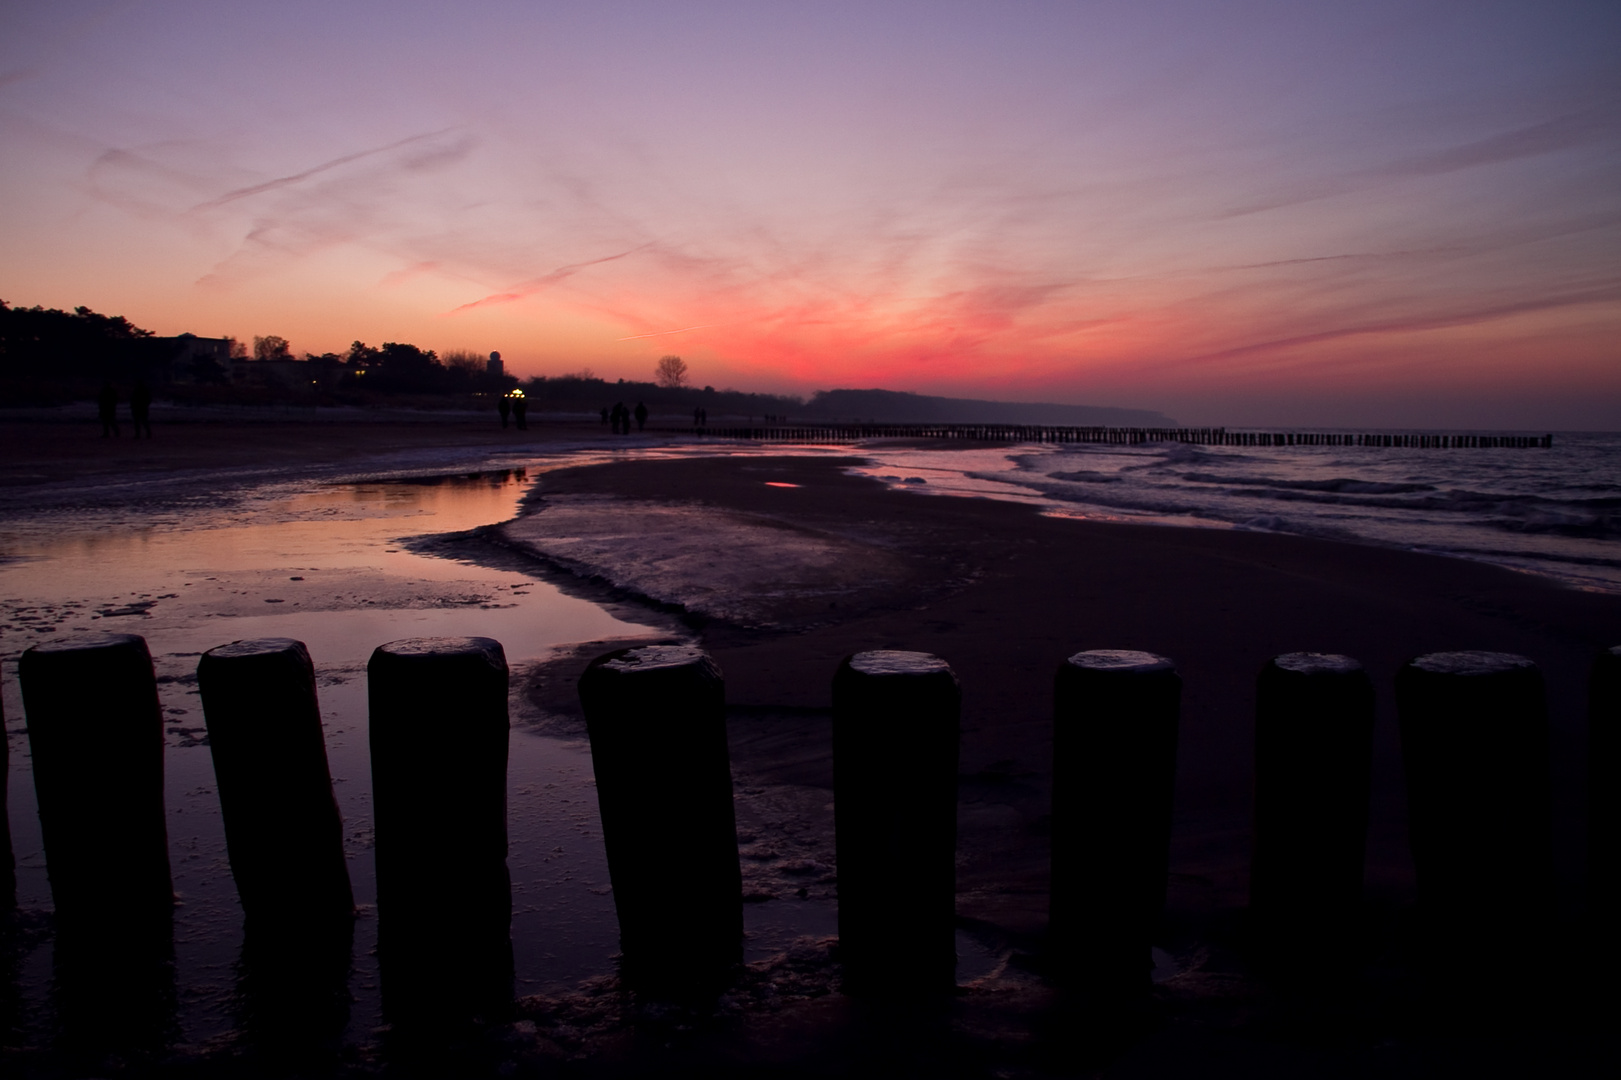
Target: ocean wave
1555,511
1576,528
1338,484
1490,554
1295,527
1124,500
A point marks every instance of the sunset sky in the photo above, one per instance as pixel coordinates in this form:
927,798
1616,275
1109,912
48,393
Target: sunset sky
1383,213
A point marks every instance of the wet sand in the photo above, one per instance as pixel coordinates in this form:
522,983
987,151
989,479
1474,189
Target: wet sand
782,566
59,455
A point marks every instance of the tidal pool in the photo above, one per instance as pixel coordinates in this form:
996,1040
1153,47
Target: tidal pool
330,565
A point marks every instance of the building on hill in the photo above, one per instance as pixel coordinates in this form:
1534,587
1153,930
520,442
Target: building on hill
192,359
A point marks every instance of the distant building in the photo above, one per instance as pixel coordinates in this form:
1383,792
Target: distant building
193,359
495,367
288,374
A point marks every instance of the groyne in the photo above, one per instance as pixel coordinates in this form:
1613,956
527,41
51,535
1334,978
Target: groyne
1474,741
1042,433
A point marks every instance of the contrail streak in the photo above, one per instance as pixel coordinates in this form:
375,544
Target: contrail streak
283,181
661,333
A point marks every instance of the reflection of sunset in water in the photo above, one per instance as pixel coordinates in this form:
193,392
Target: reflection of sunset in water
329,566
332,566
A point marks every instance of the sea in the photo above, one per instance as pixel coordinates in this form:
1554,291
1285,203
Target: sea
1549,511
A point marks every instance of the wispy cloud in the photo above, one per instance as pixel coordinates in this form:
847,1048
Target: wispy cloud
545,281
443,154
1589,125
1471,315
665,333
1581,128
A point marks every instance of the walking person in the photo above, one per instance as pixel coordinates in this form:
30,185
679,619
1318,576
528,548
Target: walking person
140,408
107,408
641,416
504,407
520,412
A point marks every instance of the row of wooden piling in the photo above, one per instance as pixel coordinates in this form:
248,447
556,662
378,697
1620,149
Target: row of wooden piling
1474,734
1113,436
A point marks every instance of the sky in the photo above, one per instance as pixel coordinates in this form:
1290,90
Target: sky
1383,213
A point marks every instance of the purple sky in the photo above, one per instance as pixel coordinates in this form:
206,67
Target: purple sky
1380,213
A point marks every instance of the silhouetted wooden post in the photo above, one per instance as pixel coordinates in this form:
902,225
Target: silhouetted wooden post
656,716
896,731
1474,733
282,828
1313,756
1603,803
95,732
1115,719
439,790
8,859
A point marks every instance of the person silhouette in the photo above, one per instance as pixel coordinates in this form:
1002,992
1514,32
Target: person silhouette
520,413
140,408
504,407
641,416
107,408
621,419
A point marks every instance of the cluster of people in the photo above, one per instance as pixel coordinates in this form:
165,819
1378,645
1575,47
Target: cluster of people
516,407
619,417
140,409
700,418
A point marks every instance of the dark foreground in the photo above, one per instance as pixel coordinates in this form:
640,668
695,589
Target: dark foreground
838,564
1004,594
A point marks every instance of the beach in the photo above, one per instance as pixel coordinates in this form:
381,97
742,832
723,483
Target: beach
780,564
1005,594
820,564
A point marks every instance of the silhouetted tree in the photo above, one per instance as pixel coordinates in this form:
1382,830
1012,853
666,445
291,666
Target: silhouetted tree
50,344
271,347
671,372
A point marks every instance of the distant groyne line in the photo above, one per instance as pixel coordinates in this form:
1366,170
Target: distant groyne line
1129,436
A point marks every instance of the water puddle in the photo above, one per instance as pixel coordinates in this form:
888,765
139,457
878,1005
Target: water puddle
325,566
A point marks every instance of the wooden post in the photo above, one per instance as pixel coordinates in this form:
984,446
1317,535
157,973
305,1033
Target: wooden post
1474,733
8,859
896,730
95,731
1313,759
656,716
1115,718
1603,805
282,828
439,775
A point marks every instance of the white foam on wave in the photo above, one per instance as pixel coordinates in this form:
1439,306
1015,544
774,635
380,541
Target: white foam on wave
897,662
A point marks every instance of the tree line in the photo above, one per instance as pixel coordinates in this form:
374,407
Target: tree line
50,356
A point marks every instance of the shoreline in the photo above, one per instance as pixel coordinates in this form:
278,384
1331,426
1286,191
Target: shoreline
67,465
1004,594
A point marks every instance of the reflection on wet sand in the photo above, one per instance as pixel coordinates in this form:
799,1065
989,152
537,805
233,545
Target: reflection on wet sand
335,567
